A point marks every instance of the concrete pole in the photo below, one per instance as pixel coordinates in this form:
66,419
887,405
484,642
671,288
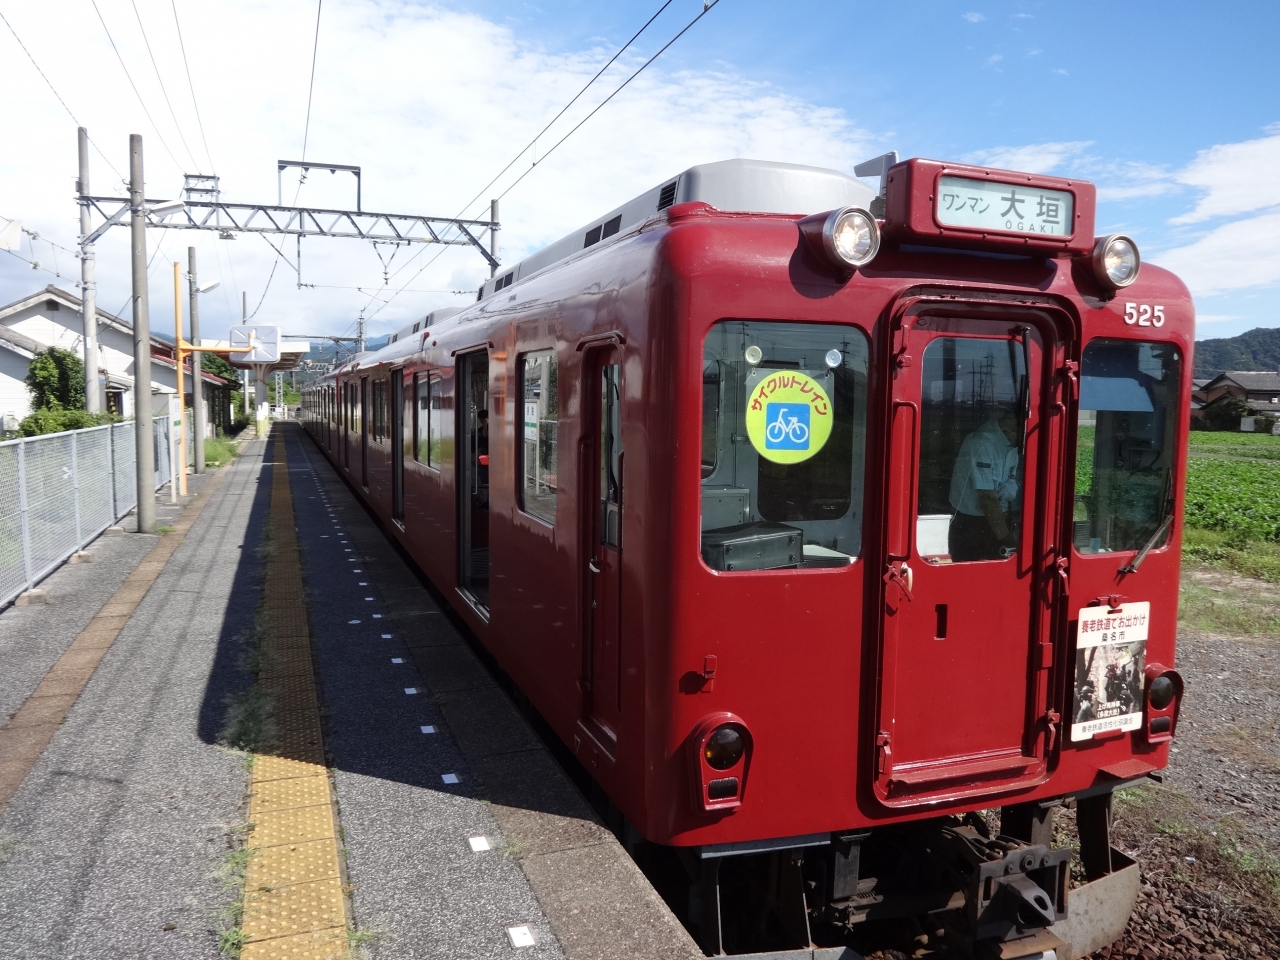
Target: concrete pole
182,391
88,290
197,385
144,432
493,234
244,315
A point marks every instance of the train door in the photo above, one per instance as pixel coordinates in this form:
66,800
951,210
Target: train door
364,431
961,701
398,439
473,475
602,478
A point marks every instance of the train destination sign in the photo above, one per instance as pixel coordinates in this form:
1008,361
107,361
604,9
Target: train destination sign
1007,207
1111,655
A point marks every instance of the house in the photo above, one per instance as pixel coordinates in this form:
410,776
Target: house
51,318
1259,389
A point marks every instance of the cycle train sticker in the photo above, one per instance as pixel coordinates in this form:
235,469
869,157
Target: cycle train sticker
789,416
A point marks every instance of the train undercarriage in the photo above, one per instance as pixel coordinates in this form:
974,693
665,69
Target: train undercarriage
950,887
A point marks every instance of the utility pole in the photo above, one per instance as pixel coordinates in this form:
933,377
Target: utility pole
143,430
88,291
197,386
244,317
493,238
360,334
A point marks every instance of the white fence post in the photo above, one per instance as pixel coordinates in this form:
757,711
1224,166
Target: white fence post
22,510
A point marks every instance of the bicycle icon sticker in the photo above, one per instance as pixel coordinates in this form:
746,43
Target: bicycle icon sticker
789,417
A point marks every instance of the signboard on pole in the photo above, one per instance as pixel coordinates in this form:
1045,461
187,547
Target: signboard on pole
262,342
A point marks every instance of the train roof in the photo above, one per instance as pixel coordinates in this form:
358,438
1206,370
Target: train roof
738,186
746,186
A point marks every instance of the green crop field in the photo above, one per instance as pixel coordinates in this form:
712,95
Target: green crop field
1262,446
1237,497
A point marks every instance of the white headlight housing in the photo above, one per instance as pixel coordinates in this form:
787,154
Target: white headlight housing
1116,261
851,237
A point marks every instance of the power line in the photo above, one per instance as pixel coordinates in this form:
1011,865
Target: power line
56,94
175,160
315,50
707,8
163,90
192,87
622,49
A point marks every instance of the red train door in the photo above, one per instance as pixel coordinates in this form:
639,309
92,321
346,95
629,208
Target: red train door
603,499
961,695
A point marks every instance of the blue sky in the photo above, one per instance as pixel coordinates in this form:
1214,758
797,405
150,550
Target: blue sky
1173,109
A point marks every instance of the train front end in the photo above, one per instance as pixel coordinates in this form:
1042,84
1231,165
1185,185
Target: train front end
926,597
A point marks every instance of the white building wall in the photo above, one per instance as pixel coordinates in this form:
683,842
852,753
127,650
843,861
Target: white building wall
14,399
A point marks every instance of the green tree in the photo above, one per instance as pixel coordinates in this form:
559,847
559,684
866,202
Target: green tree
1225,413
55,380
219,367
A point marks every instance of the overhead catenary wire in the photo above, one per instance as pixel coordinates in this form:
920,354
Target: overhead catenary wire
55,92
129,76
164,91
480,193
192,87
707,8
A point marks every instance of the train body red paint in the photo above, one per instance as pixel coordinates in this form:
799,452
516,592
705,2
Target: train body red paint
871,675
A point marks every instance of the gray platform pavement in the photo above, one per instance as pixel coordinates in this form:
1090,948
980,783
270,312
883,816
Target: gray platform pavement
417,885
111,845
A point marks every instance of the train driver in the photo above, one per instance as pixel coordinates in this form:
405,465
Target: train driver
984,490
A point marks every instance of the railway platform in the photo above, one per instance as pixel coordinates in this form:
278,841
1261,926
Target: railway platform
257,734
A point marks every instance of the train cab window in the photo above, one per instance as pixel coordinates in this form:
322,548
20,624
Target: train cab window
783,439
426,420
1125,445
540,401
973,414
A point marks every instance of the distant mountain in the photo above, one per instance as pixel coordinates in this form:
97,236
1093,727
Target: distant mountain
1257,349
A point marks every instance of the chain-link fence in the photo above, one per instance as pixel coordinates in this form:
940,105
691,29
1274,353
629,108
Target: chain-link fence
59,491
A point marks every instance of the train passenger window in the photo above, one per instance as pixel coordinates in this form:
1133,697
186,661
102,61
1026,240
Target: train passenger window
426,421
1125,445
783,440
379,410
541,405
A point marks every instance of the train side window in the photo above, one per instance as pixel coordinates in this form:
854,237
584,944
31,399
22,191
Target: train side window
1126,444
540,401
426,420
783,443
379,410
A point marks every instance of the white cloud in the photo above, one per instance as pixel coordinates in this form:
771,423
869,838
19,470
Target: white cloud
430,103
973,17
994,59
1032,158
1236,178
1062,73
1245,253
1034,52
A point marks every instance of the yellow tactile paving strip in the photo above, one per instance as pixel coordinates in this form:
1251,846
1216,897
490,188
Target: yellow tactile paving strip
295,904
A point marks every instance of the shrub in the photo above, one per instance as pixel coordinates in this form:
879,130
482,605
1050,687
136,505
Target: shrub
55,380
56,420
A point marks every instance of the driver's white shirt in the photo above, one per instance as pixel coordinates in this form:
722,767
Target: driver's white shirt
986,460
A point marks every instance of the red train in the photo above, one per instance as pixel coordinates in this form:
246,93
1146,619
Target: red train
814,521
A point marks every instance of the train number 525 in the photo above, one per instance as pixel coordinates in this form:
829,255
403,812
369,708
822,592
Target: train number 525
1144,315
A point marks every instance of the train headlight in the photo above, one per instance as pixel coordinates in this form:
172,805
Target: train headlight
1116,261
851,236
724,748
1161,692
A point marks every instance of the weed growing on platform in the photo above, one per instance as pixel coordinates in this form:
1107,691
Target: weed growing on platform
358,939
250,723
165,528
230,873
219,451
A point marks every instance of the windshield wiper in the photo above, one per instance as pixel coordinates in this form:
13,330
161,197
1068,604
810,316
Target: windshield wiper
1132,565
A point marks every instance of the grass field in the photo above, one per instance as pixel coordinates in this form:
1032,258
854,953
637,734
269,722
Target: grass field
1262,446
